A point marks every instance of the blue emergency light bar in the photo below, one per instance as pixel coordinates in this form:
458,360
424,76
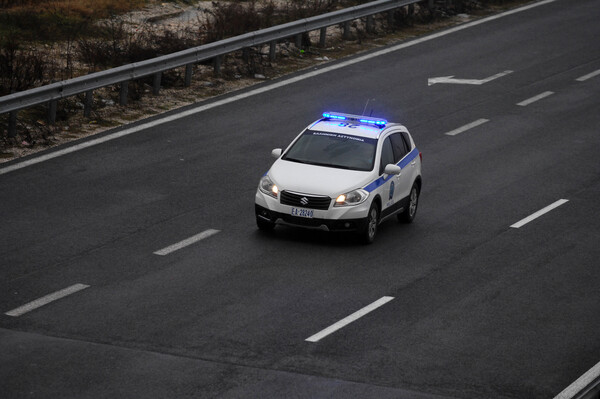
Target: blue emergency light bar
355,118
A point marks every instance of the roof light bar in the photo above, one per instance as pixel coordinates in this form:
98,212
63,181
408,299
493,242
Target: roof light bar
355,118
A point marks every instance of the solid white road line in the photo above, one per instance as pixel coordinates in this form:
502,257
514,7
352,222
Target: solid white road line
539,213
261,89
46,300
581,383
467,127
353,317
186,242
588,76
535,98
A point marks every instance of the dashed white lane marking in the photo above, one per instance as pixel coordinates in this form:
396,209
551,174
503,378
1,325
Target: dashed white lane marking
467,127
588,76
186,242
533,99
581,383
263,89
46,300
353,317
539,213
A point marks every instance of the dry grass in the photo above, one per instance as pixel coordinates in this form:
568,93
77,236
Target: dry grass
82,8
49,21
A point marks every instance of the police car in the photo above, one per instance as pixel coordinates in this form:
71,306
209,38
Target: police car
342,173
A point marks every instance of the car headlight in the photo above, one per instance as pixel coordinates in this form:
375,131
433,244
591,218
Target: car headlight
268,187
352,198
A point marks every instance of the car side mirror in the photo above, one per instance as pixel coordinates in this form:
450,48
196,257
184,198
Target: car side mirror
391,169
276,153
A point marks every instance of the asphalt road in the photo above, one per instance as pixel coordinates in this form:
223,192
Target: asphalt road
480,309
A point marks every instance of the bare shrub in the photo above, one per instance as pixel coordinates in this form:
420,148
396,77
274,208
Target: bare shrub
232,19
14,3
166,41
116,44
252,63
298,9
107,48
85,8
22,67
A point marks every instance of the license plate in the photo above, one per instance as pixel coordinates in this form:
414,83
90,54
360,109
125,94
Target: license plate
303,213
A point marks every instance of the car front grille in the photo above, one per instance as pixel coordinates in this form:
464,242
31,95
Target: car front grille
305,201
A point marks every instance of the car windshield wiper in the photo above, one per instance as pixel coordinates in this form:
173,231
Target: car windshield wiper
330,165
294,160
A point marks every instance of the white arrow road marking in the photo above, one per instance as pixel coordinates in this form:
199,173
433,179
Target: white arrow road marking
46,300
450,79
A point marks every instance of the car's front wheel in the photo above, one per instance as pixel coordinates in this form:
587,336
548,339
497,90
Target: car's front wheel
370,229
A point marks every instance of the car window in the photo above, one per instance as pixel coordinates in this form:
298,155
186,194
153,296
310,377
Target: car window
399,147
387,155
333,150
406,141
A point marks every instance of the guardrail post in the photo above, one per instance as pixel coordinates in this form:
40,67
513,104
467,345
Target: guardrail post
217,65
346,35
52,111
87,105
272,50
323,37
299,40
12,124
370,28
123,92
390,17
156,84
189,68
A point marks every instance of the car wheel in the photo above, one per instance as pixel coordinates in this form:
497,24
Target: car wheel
370,230
413,202
264,225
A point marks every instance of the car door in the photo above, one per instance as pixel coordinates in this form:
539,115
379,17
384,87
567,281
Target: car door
388,188
402,182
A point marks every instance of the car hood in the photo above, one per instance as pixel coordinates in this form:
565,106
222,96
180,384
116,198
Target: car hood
317,180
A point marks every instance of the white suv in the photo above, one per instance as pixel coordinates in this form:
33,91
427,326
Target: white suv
342,173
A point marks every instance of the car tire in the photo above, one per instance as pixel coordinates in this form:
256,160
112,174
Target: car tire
413,202
264,225
370,229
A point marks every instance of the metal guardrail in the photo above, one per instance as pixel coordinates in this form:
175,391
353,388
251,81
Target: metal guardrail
123,74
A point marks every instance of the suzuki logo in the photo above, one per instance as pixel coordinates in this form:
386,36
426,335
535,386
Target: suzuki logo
304,201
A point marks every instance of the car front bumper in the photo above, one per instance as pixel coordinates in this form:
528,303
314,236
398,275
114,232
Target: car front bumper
349,218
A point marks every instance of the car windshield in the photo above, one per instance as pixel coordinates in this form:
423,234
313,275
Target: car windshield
333,150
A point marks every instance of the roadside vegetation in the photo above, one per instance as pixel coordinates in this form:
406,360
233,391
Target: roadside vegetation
43,41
